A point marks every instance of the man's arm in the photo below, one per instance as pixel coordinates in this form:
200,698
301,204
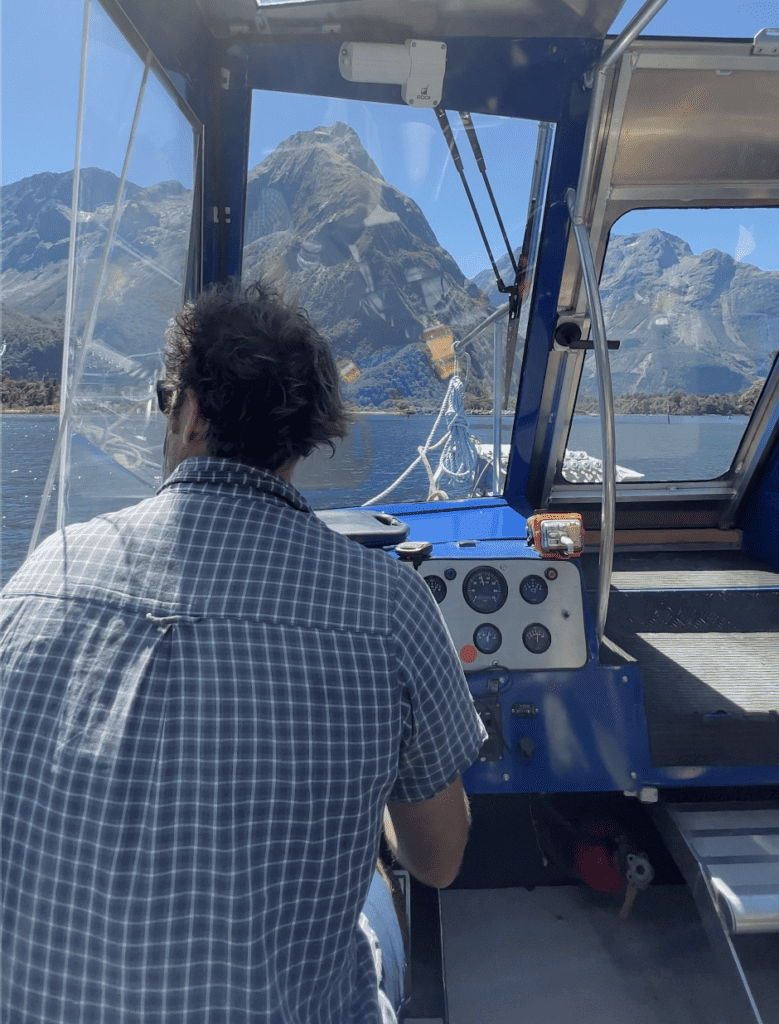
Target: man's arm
429,837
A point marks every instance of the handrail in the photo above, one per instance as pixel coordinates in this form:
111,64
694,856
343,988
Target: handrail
636,25
596,78
608,502
496,315
497,408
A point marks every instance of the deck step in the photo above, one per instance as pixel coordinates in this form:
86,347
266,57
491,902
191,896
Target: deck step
738,851
729,855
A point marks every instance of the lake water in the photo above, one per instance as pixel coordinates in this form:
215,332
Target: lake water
377,451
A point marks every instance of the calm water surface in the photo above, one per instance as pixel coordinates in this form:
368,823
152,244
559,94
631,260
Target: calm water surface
377,451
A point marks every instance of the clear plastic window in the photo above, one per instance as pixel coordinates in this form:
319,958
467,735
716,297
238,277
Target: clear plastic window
125,280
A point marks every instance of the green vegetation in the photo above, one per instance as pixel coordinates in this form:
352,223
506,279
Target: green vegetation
43,396
678,403
29,395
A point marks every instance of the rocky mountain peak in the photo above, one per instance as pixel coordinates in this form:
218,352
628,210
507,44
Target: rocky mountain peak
322,221
339,140
318,178
651,248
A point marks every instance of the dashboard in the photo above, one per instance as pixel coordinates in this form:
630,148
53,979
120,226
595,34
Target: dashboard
520,614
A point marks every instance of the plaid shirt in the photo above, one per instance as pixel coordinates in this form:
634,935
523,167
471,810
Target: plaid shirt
207,700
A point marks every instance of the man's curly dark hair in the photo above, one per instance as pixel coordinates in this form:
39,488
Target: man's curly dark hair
265,378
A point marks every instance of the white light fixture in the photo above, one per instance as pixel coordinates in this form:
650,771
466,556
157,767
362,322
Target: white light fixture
417,66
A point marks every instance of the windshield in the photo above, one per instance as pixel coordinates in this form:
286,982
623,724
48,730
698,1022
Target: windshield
692,296
357,210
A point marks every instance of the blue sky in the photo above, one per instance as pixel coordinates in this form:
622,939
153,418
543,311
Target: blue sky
41,46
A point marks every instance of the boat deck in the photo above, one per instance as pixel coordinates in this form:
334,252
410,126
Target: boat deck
560,955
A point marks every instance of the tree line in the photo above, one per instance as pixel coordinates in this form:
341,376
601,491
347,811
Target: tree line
38,395
678,403
44,396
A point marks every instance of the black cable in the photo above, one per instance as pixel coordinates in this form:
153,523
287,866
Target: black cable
446,128
470,131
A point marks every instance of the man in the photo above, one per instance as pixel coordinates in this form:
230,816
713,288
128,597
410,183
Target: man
208,701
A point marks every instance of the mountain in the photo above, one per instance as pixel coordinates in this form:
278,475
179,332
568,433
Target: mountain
143,280
702,324
361,257
32,345
322,221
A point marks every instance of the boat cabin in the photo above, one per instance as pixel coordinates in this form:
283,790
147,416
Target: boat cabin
545,257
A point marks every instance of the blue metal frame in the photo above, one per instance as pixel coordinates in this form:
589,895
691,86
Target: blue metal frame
759,512
530,78
590,733
224,98
523,486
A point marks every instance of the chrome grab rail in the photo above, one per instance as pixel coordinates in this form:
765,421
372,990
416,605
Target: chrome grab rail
497,409
606,401
595,78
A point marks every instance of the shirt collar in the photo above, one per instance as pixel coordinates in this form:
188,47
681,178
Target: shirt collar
223,472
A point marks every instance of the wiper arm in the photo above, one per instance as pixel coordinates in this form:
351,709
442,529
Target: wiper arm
443,122
470,131
516,290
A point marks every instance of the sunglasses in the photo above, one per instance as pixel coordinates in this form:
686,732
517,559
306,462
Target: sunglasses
164,397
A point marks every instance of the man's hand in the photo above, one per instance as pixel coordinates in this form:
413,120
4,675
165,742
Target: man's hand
429,837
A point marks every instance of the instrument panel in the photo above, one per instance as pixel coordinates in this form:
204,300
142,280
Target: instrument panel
521,614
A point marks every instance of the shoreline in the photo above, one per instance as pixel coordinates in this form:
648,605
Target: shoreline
53,410
31,410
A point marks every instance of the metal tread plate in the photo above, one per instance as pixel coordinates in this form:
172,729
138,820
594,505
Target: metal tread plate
738,853
710,671
710,579
673,570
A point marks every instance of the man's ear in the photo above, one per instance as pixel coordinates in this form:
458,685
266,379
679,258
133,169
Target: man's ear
194,424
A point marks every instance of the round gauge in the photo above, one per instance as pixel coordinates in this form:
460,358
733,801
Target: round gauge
437,587
487,638
536,638
534,589
485,589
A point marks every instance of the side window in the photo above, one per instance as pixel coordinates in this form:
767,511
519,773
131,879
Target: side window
133,213
693,298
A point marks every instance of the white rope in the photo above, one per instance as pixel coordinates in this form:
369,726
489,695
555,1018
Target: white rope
456,454
459,458
434,493
407,472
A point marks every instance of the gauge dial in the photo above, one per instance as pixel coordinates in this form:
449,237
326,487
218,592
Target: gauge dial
536,638
487,638
534,589
485,589
437,587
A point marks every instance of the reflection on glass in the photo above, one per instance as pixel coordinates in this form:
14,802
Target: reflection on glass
129,264
698,331
348,214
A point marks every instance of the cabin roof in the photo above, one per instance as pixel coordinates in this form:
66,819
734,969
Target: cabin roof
392,19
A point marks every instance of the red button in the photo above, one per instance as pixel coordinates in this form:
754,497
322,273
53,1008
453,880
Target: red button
468,653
